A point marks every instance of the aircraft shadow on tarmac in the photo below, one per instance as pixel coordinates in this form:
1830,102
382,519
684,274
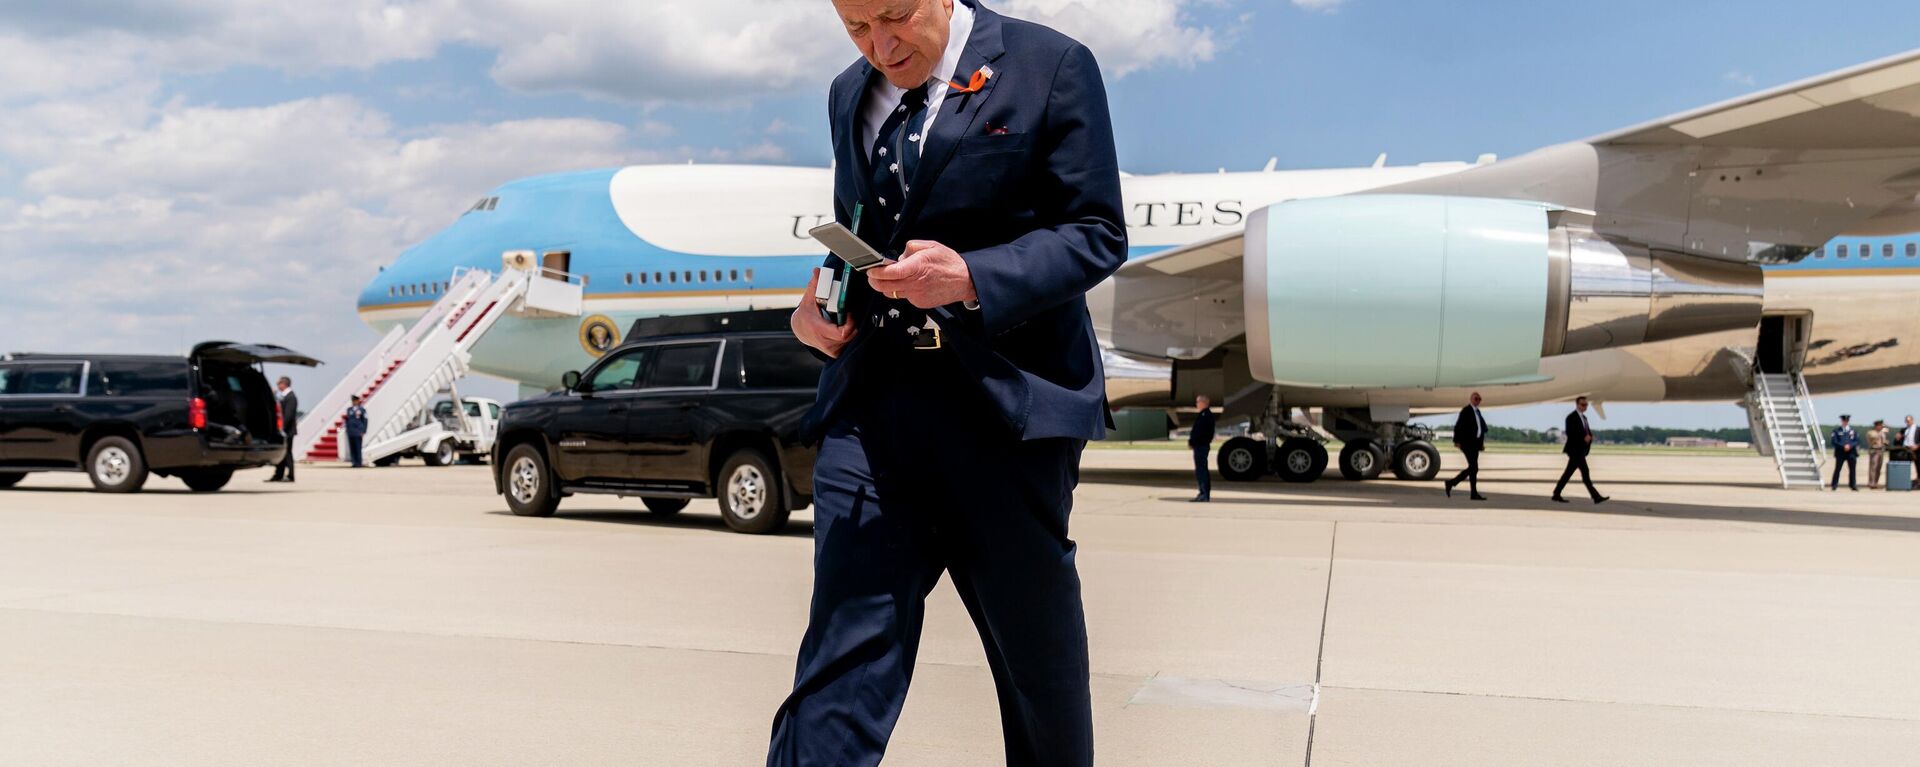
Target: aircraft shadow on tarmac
1385,493
686,520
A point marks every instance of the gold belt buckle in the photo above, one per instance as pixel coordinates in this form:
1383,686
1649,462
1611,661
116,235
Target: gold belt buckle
926,337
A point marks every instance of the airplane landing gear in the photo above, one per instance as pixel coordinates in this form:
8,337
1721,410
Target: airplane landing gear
1243,459
1417,460
1362,459
1300,460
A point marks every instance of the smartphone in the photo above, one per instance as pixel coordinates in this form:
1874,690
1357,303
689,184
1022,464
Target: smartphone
851,249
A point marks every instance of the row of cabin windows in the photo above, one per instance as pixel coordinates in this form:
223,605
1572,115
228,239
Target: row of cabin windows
633,278
689,277
1866,251
416,289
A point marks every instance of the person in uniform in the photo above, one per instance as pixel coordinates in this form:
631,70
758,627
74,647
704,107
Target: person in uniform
1846,452
356,428
1579,443
1470,435
1876,452
289,425
1200,439
977,152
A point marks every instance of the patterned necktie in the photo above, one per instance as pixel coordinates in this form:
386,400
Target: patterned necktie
895,155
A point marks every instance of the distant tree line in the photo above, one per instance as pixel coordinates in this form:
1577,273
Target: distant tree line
1636,435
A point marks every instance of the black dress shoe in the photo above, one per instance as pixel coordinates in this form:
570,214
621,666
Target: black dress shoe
1558,499
1449,484
1200,499
1479,497
1599,500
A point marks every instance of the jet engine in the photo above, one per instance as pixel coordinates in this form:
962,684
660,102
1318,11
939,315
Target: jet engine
1390,291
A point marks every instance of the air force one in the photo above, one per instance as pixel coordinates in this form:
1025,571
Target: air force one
1752,251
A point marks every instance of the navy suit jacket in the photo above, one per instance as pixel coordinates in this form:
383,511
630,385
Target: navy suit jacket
1576,432
1466,430
1021,179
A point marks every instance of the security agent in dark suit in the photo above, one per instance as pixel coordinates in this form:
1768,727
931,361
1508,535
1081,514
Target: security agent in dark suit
967,379
1579,443
1201,440
290,425
1846,452
1470,435
356,428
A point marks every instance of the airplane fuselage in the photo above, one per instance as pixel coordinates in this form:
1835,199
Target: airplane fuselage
653,240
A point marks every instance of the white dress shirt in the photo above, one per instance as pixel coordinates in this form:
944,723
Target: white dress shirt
1482,421
883,96
1908,436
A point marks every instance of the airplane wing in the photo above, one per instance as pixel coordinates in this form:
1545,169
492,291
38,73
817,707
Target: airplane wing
1763,178
1180,303
1871,106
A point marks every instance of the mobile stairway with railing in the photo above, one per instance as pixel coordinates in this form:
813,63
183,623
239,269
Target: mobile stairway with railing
398,379
1781,413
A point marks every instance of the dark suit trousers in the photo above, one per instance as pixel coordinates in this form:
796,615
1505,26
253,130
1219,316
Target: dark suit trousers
1471,474
353,447
1849,459
285,468
1576,461
915,478
1200,454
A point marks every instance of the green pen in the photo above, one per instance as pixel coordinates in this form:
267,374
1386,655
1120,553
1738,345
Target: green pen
858,208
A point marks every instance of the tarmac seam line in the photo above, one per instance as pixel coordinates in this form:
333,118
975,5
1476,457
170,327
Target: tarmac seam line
1596,701
1320,655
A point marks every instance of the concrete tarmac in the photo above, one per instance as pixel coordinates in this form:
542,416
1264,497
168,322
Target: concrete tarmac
402,617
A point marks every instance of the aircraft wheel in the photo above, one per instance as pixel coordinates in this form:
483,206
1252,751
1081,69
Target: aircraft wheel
1361,460
1416,460
1242,459
1300,460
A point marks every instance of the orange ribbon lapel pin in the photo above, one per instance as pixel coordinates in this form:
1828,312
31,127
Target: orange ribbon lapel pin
974,84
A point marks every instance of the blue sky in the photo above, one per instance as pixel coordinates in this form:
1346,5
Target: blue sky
173,169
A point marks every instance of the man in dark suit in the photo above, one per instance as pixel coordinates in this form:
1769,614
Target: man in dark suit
1201,440
1470,435
1579,444
289,425
356,428
977,151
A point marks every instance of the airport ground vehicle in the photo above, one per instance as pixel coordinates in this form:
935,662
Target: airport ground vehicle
120,418
454,430
704,406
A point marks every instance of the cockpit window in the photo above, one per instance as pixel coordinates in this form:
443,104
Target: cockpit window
485,204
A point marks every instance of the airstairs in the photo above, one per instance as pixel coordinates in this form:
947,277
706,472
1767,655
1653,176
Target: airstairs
398,379
1784,425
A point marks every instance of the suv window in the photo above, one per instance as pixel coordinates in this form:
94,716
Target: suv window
778,363
687,366
133,379
40,378
622,372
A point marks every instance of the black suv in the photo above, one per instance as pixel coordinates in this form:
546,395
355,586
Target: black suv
698,406
119,417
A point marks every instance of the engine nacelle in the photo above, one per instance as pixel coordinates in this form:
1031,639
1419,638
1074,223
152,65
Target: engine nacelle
1391,291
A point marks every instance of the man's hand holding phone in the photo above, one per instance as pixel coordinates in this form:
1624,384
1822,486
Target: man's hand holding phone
814,329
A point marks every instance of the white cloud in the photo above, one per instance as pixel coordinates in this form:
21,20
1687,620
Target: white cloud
660,50
166,224
1739,78
1319,6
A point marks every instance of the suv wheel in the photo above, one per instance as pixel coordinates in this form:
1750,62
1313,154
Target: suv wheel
9,480
751,500
206,480
665,507
444,455
528,483
116,466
